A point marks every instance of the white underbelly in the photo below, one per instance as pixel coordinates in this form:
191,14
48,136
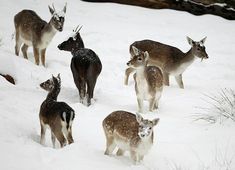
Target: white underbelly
180,69
25,41
122,145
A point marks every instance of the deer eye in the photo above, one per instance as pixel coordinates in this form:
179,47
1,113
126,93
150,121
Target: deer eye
139,59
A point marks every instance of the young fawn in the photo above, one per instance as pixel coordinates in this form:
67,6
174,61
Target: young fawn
171,60
148,80
58,116
85,66
128,132
31,30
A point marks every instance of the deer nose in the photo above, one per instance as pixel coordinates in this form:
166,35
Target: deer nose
128,63
59,46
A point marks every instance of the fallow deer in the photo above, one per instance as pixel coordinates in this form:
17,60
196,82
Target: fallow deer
148,80
171,60
31,30
128,132
85,66
58,116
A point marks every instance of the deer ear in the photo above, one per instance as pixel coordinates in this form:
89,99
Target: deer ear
139,118
190,41
135,50
146,55
65,7
155,121
51,10
203,41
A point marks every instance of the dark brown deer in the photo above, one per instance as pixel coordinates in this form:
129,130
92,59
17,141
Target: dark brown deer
85,65
31,30
128,132
148,81
58,116
171,60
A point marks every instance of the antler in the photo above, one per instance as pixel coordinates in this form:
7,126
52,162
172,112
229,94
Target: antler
77,29
53,6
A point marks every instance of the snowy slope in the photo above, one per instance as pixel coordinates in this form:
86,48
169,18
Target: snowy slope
109,29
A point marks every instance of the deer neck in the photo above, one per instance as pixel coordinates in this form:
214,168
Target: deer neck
188,58
74,50
140,73
53,94
47,33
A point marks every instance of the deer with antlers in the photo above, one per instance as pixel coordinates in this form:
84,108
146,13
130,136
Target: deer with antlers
31,30
85,65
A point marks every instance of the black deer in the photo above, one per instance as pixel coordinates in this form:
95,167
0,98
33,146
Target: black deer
85,65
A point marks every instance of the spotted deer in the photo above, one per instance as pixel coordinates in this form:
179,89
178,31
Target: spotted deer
58,116
128,132
171,60
31,30
148,80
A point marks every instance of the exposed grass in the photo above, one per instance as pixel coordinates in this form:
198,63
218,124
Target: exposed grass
221,107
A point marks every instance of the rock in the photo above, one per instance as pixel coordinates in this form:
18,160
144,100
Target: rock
9,78
196,7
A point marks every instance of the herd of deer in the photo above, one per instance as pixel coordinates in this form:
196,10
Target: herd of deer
151,62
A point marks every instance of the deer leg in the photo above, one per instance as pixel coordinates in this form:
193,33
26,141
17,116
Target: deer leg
36,55
60,137
24,51
76,78
70,137
152,103
166,78
134,156
179,81
53,139
120,152
140,104
82,91
43,132
110,145
18,43
43,53
90,88
158,96
141,157
127,74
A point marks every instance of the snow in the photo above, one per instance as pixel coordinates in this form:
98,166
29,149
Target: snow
109,29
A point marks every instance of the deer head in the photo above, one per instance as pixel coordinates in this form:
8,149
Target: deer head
74,42
198,48
57,19
140,58
145,126
48,85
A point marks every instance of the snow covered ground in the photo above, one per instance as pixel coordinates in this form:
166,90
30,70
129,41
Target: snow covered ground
109,29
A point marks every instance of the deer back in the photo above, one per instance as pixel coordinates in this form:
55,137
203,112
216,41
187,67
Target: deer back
121,123
159,53
170,58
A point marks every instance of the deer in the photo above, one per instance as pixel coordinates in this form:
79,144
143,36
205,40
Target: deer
171,60
57,116
31,30
128,132
85,66
148,80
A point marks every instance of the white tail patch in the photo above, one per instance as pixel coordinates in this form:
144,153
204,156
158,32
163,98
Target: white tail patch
64,116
